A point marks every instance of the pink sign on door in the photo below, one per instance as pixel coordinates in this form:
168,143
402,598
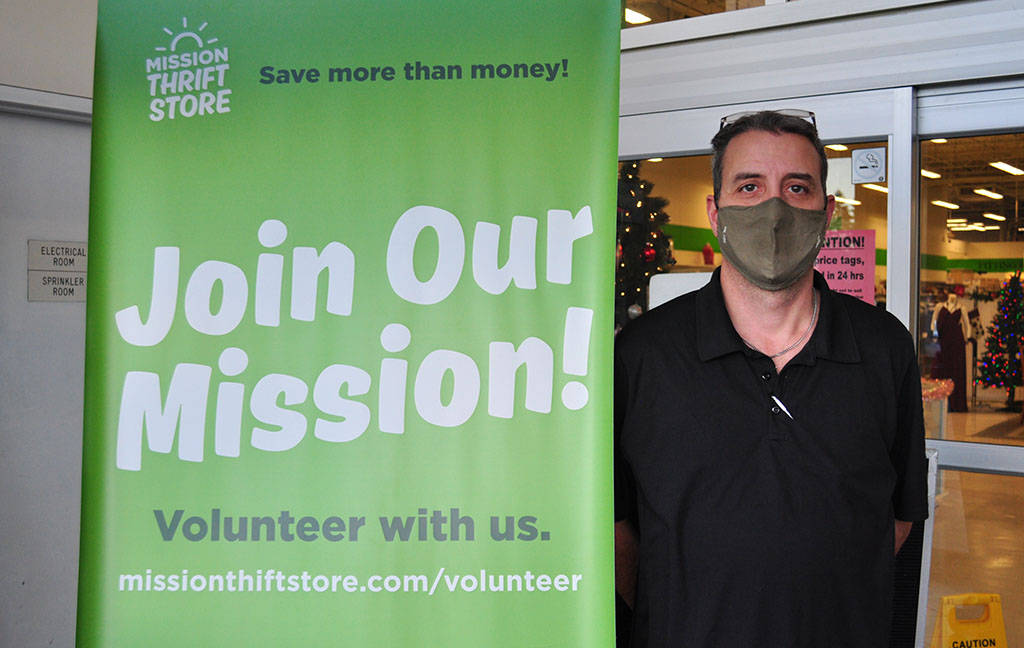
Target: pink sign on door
847,260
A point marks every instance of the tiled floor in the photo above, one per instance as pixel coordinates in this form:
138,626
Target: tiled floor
978,538
985,424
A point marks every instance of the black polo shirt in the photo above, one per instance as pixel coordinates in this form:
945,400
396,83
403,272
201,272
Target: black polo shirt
766,521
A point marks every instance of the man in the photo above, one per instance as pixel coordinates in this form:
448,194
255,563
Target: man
769,433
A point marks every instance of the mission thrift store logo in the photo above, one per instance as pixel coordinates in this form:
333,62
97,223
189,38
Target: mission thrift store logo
187,78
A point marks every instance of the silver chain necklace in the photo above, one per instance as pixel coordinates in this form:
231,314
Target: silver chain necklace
814,318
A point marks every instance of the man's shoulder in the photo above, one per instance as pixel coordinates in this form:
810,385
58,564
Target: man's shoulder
874,326
673,320
863,313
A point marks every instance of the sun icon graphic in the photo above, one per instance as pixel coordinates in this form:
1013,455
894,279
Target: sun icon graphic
186,33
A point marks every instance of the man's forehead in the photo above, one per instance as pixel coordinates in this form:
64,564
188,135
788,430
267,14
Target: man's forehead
767,140
758,148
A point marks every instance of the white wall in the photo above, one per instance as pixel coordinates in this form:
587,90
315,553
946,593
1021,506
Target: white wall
44,176
46,60
48,45
814,47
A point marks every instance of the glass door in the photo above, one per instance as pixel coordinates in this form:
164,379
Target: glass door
971,334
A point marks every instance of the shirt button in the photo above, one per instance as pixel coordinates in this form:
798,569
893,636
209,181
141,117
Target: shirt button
775,409
766,376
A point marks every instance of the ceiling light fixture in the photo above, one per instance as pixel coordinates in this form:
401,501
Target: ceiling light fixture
636,18
847,201
837,147
954,221
991,227
947,205
989,194
939,140
930,174
995,217
875,187
655,159
1009,168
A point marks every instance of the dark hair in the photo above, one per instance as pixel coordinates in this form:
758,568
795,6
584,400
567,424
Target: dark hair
768,121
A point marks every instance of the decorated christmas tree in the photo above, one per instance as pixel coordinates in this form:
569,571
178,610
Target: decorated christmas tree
1000,366
643,248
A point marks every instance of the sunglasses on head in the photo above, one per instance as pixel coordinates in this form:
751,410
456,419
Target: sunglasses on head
806,115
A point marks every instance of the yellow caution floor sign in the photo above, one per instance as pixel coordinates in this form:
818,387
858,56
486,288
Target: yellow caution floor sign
982,630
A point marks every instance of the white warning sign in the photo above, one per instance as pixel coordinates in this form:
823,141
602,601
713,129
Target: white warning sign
57,270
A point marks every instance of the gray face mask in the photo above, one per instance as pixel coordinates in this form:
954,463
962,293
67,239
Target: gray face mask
771,243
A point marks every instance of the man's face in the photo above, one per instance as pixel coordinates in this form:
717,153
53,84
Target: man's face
759,165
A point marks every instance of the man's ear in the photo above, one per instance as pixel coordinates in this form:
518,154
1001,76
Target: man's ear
712,209
830,207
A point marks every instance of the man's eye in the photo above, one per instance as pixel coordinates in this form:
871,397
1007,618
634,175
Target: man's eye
748,187
798,189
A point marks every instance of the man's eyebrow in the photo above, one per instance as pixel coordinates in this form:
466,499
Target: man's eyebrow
753,175
807,177
746,175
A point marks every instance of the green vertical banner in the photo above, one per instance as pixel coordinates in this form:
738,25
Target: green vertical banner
349,326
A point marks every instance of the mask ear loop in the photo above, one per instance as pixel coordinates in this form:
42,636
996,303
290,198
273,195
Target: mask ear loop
722,228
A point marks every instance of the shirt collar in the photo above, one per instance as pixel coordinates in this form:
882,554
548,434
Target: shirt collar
832,338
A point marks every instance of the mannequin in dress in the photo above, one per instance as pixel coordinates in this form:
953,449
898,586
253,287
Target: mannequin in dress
950,322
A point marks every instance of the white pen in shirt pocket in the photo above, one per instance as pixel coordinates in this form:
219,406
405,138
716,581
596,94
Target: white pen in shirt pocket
782,406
